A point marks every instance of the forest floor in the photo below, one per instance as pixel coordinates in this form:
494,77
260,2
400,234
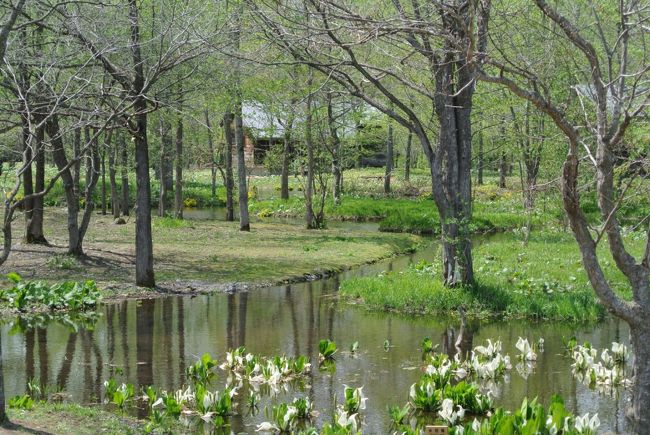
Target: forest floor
200,256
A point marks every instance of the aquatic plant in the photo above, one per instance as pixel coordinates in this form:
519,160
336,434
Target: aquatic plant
326,349
526,350
67,295
398,415
202,371
354,400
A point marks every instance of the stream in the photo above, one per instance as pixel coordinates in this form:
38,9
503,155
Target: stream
153,341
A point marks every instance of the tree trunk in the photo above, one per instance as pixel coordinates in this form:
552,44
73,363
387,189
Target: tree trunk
451,176
103,167
144,274
389,159
115,200
93,162
3,413
125,175
503,169
407,157
286,157
34,231
336,151
71,198
163,170
76,167
640,408
244,222
213,166
28,180
309,184
230,182
479,163
178,190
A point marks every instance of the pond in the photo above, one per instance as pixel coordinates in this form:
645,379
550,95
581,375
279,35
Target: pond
153,341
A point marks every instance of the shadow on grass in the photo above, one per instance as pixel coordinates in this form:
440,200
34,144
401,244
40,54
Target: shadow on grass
10,427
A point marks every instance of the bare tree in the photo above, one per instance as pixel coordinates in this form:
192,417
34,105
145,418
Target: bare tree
426,51
612,95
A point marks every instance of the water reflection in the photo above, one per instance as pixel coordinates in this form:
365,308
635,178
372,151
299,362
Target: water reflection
152,341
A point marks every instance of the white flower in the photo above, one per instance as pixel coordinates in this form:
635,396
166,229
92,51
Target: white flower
526,350
267,427
476,425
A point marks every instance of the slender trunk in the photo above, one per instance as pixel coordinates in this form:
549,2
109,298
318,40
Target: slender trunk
103,169
309,185
336,150
125,175
115,200
178,189
93,163
213,166
34,231
286,156
28,181
503,169
244,222
71,198
389,159
407,157
144,274
479,163
230,182
162,170
76,167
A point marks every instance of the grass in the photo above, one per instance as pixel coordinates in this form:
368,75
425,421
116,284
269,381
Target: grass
544,280
204,252
68,418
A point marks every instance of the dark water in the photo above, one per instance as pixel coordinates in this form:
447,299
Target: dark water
219,213
152,341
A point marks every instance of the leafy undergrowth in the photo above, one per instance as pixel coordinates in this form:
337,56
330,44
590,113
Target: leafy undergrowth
36,295
543,280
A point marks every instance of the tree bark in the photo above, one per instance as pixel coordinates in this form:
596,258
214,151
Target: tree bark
309,184
286,156
103,174
640,411
3,413
336,151
115,200
34,232
178,189
28,179
163,171
479,163
144,274
76,167
244,222
93,162
125,175
389,159
230,181
72,200
213,166
503,169
407,157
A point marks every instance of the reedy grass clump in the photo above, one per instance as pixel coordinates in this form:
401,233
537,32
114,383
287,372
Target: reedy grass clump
542,280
